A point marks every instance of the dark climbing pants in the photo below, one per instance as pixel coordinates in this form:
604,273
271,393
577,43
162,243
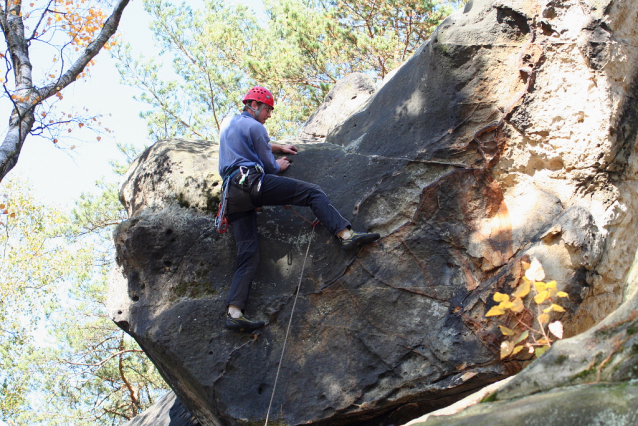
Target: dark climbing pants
275,191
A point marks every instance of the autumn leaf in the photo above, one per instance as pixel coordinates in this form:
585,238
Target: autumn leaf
506,331
496,310
554,307
541,297
500,297
556,328
523,289
540,286
522,337
506,305
562,294
517,305
506,348
543,318
535,271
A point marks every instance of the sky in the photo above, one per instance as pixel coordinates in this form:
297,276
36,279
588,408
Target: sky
60,176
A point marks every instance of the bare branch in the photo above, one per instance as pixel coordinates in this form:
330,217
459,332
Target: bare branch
131,391
104,361
35,30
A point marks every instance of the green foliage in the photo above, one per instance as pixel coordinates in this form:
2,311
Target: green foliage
524,336
32,261
299,52
387,32
95,374
62,360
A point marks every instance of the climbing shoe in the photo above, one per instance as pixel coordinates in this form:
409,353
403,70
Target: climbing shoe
242,323
357,239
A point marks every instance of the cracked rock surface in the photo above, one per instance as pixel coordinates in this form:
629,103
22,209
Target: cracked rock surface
510,133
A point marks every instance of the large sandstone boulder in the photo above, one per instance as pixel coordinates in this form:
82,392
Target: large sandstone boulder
344,99
510,133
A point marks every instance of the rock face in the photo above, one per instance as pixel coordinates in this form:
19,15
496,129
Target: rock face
167,411
345,98
510,133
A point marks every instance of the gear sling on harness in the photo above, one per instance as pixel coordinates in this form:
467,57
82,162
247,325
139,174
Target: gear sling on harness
241,191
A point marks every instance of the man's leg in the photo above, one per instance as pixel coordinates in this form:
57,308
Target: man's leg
247,241
246,238
280,191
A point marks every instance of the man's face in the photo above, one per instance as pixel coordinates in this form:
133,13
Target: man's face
265,113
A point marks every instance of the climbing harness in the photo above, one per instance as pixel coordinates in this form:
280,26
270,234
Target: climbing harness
292,312
244,194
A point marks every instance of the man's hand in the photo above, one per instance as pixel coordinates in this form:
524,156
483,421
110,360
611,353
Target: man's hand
283,163
284,149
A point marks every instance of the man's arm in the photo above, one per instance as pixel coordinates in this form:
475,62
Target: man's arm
284,149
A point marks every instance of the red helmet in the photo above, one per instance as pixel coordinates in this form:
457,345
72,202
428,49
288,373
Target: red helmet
259,94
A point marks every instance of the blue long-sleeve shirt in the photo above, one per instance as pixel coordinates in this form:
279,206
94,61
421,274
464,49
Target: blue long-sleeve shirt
244,141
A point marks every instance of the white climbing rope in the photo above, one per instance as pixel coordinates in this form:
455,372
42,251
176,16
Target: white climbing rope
283,349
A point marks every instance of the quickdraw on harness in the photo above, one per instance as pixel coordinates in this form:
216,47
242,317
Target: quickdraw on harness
221,221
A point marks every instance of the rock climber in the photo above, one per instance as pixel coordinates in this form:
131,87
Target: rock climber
249,170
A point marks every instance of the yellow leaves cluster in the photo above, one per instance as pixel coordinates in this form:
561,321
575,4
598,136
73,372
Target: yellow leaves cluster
80,22
546,291
505,304
536,341
82,27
